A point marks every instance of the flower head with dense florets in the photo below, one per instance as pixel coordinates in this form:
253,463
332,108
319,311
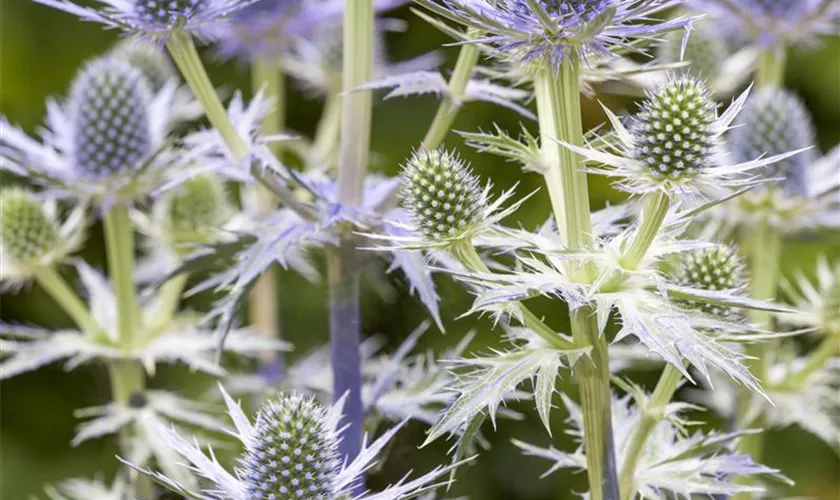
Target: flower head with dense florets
107,142
290,453
674,144
553,30
719,268
156,19
31,235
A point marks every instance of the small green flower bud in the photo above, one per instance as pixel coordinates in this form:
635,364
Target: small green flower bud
109,113
153,63
673,133
718,268
195,208
774,122
705,51
27,232
293,455
442,194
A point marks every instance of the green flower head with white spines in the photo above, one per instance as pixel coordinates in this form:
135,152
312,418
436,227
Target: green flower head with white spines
28,233
194,211
716,269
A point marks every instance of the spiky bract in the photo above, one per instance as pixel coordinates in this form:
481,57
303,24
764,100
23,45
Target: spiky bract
673,133
153,63
109,111
27,232
293,454
775,121
442,194
719,268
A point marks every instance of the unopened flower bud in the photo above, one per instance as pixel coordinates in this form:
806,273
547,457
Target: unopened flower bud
775,122
673,133
153,63
109,113
27,232
442,194
719,268
293,453
195,208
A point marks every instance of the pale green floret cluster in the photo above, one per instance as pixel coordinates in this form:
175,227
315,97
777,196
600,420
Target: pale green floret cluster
109,111
673,133
705,51
774,122
718,268
153,63
195,208
293,454
27,232
442,195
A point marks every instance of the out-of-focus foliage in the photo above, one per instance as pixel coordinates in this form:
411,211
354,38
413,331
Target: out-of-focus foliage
40,49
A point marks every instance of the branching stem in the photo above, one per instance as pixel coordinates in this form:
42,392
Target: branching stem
451,104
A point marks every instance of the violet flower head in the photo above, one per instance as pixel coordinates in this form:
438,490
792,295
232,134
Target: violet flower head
553,30
155,19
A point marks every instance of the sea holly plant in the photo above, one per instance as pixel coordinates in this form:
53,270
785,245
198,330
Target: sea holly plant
203,190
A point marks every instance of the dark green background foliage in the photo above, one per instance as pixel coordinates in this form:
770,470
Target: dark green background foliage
40,50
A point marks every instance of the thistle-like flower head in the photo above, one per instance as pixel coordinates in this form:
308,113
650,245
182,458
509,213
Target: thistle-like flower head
442,194
27,232
109,113
294,452
193,211
719,268
551,30
154,64
674,131
775,121
154,19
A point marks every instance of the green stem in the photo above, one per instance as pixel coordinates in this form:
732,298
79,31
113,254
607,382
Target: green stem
119,243
168,299
829,348
51,281
558,106
467,255
344,272
451,104
771,67
668,383
656,207
326,135
183,52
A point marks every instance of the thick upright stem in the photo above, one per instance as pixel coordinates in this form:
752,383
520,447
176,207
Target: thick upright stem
771,67
54,284
451,104
656,206
668,383
343,262
119,242
263,309
558,106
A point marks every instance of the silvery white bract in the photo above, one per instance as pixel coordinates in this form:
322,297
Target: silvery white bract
265,456
549,31
87,489
673,462
164,338
816,301
155,19
32,236
108,142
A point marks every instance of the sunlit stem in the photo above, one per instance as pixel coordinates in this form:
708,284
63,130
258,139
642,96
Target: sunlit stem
263,305
668,383
558,106
656,206
467,255
451,104
57,287
344,270
327,133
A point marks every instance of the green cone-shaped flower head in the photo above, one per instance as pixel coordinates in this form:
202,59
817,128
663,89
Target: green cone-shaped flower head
674,131
705,51
718,268
294,453
195,209
109,113
153,63
442,195
27,232
773,122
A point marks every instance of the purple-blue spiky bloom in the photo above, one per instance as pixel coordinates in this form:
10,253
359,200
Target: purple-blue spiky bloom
553,30
155,19
772,22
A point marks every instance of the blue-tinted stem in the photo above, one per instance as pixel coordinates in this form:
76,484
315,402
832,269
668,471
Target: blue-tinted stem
344,271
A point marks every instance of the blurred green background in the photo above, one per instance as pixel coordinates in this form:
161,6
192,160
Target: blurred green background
40,49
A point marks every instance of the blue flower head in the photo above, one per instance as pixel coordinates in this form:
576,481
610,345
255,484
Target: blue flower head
155,19
551,30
